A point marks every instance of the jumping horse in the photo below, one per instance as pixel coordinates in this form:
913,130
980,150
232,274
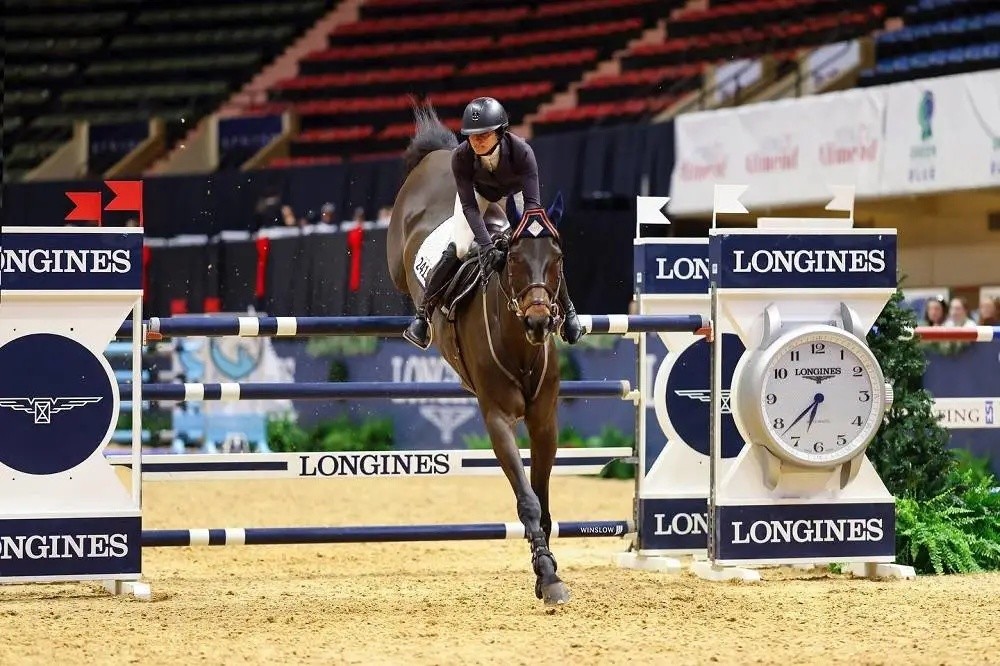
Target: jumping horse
495,332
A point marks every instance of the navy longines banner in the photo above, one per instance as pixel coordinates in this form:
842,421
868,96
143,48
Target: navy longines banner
71,260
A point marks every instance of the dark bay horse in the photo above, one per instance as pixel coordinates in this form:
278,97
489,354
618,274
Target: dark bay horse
500,341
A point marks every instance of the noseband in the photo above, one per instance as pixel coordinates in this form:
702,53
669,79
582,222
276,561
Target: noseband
514,301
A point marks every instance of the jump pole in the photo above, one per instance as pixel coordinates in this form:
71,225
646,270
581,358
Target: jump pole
265,536
157,328
354,390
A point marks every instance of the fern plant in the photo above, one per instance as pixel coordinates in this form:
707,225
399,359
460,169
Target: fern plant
956,531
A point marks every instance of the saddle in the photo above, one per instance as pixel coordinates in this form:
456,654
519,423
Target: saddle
470,272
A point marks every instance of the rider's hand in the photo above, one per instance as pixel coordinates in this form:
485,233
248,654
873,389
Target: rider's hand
501,243
492,257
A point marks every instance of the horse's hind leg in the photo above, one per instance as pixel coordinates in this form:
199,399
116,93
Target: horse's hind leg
548,586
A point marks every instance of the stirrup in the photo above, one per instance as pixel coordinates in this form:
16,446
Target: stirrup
412,339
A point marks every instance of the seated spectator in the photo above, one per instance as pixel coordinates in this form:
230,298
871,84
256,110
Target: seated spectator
935,311
958,314
989,311
288,218
384,216
326,214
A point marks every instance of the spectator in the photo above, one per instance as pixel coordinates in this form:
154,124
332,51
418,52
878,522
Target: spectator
989,311
288,218
384,216
958,314
327,212
935,311
359,215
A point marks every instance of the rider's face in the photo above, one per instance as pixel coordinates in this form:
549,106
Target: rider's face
483,143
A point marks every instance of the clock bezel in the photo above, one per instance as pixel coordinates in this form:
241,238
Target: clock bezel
833,335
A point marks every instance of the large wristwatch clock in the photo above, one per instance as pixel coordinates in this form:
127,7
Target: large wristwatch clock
813,396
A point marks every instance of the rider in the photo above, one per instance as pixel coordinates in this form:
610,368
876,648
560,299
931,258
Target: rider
491,165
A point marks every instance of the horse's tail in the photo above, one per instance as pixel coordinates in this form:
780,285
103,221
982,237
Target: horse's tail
430,135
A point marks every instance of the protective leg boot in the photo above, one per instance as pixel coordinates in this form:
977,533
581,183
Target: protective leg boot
572,330
419,330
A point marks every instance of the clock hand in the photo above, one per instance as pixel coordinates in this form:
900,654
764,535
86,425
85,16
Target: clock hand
812,415
800,416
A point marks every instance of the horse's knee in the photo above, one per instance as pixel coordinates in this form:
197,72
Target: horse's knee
529,509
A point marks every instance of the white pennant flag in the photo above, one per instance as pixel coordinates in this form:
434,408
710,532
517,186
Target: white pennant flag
727,199
843,199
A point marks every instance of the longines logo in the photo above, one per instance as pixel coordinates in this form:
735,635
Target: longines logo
818,375
682,268
65,261
681,524
44,408
60,546
808,531
375,464
810,261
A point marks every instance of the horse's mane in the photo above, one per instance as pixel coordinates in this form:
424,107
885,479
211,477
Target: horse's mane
430,135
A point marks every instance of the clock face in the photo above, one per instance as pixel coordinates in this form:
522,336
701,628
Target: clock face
819,399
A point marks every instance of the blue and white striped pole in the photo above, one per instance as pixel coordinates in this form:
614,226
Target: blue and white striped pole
262,536
386,326
351,390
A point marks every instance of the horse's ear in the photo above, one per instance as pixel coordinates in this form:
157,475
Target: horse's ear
555,211
513,215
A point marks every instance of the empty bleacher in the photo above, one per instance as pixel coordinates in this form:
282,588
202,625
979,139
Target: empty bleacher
655,75
119,61
353,96
940,37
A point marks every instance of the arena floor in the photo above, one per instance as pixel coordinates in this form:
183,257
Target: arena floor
470,603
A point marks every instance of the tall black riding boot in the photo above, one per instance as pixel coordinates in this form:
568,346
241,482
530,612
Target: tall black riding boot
571,330
419,330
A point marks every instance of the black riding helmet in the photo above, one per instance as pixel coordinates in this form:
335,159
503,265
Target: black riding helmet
484,114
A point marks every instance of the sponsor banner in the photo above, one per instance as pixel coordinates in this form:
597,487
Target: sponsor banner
672,268
967,413
674,524
70,260
942,134
788,152
802,531
805,261
33,548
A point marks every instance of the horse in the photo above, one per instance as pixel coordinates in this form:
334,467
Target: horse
498,337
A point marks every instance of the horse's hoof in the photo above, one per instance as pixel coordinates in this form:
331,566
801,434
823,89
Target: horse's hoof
555,594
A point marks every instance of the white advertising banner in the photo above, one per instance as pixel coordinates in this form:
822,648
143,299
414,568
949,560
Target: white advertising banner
942,134
788,152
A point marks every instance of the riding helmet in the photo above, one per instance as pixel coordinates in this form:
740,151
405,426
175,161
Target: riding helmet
484,114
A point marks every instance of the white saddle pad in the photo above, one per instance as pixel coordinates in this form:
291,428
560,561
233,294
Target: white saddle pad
433,246
454,229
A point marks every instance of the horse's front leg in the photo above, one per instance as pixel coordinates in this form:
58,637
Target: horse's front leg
548,586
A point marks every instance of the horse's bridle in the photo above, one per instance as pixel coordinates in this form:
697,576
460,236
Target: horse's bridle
514,302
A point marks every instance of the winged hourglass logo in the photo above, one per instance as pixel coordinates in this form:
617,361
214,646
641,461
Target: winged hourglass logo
44,408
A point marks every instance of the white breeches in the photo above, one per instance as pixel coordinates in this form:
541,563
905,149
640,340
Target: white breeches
461,232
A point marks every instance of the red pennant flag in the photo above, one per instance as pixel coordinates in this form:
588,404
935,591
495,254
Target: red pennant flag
87,207
128,196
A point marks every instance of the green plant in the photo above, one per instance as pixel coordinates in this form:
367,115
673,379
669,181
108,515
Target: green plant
341,345
284,435
910,451
613,437
338,371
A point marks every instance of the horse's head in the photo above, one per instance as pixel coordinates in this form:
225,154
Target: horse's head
534,270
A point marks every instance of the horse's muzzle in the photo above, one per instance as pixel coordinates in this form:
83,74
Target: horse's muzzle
537,326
